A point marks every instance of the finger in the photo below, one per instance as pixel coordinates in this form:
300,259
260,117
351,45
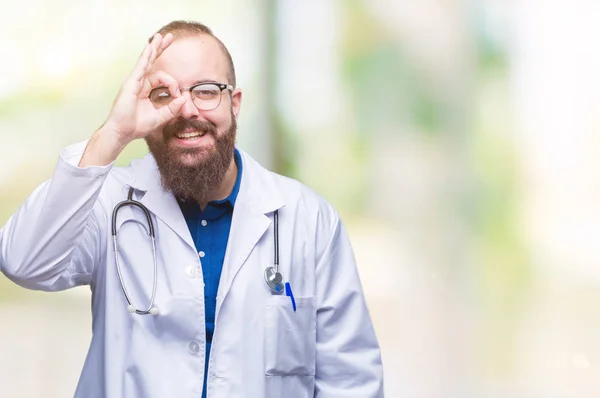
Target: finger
150,63
146,88
163,79
172,110
155,44
166,42
138,71
159,47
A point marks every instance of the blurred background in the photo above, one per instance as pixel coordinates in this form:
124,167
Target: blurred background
459,139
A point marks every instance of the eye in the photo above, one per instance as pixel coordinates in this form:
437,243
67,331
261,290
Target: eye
160,95
206,91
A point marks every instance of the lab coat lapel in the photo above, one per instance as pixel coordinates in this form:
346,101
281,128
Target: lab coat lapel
247,228
162,204
165,207
257,200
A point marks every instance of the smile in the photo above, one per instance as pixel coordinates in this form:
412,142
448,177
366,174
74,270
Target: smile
190,135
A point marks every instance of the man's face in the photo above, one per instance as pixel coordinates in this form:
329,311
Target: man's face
178,146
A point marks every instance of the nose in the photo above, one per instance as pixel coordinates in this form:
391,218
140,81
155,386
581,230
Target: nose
189,110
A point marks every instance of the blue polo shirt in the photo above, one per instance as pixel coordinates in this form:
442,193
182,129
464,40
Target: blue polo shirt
210,232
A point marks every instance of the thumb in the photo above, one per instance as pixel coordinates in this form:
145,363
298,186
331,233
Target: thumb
172,110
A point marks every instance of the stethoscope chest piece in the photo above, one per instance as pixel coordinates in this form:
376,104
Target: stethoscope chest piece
274,280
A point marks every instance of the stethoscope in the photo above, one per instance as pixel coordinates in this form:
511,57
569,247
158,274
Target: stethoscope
150,230
273,277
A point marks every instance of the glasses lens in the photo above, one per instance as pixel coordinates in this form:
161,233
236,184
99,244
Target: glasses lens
160,96
206,96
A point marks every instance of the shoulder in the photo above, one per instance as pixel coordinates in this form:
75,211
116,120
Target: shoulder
136,172
140,173
296,196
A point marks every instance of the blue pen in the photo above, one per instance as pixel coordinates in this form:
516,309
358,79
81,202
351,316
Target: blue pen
288,292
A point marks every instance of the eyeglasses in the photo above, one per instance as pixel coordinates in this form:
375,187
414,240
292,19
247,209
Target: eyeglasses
206,96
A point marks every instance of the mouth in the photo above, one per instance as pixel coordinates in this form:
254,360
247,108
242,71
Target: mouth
190,135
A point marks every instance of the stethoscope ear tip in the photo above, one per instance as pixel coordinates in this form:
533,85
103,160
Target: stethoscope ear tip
154,311
130,309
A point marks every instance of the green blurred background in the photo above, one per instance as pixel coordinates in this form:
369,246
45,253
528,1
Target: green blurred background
458,139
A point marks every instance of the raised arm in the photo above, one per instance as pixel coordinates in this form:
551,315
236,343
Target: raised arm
55,239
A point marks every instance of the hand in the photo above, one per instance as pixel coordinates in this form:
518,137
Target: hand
133,115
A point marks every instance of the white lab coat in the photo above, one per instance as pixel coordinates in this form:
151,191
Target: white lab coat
61,237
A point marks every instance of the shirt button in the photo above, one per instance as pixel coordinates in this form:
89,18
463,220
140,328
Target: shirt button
201,254
203,222
191,271
194,347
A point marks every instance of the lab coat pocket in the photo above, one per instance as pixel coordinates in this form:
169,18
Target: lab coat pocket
290,336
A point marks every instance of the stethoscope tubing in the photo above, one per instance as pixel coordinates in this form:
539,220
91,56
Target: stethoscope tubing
276,240
131,202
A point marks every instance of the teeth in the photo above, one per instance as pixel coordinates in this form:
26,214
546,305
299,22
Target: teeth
193,134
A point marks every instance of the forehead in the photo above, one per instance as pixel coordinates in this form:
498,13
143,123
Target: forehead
193,58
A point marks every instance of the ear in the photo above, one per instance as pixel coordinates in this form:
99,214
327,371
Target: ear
236,101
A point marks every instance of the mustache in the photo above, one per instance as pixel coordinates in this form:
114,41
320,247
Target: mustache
182,124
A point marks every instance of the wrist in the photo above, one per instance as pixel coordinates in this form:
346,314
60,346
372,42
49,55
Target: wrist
112,137
103,148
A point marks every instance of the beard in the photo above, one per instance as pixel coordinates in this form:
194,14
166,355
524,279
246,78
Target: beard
204,169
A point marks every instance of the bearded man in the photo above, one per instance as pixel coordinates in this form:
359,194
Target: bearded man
210,275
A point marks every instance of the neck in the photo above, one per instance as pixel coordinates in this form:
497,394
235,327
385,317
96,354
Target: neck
224,189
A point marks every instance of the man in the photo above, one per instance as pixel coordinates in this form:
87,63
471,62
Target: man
216,305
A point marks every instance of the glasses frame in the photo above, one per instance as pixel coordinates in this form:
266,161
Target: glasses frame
221,86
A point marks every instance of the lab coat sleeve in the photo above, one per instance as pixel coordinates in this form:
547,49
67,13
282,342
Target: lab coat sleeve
348,354
53,240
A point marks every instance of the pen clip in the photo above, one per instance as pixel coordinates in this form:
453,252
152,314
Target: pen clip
288,292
